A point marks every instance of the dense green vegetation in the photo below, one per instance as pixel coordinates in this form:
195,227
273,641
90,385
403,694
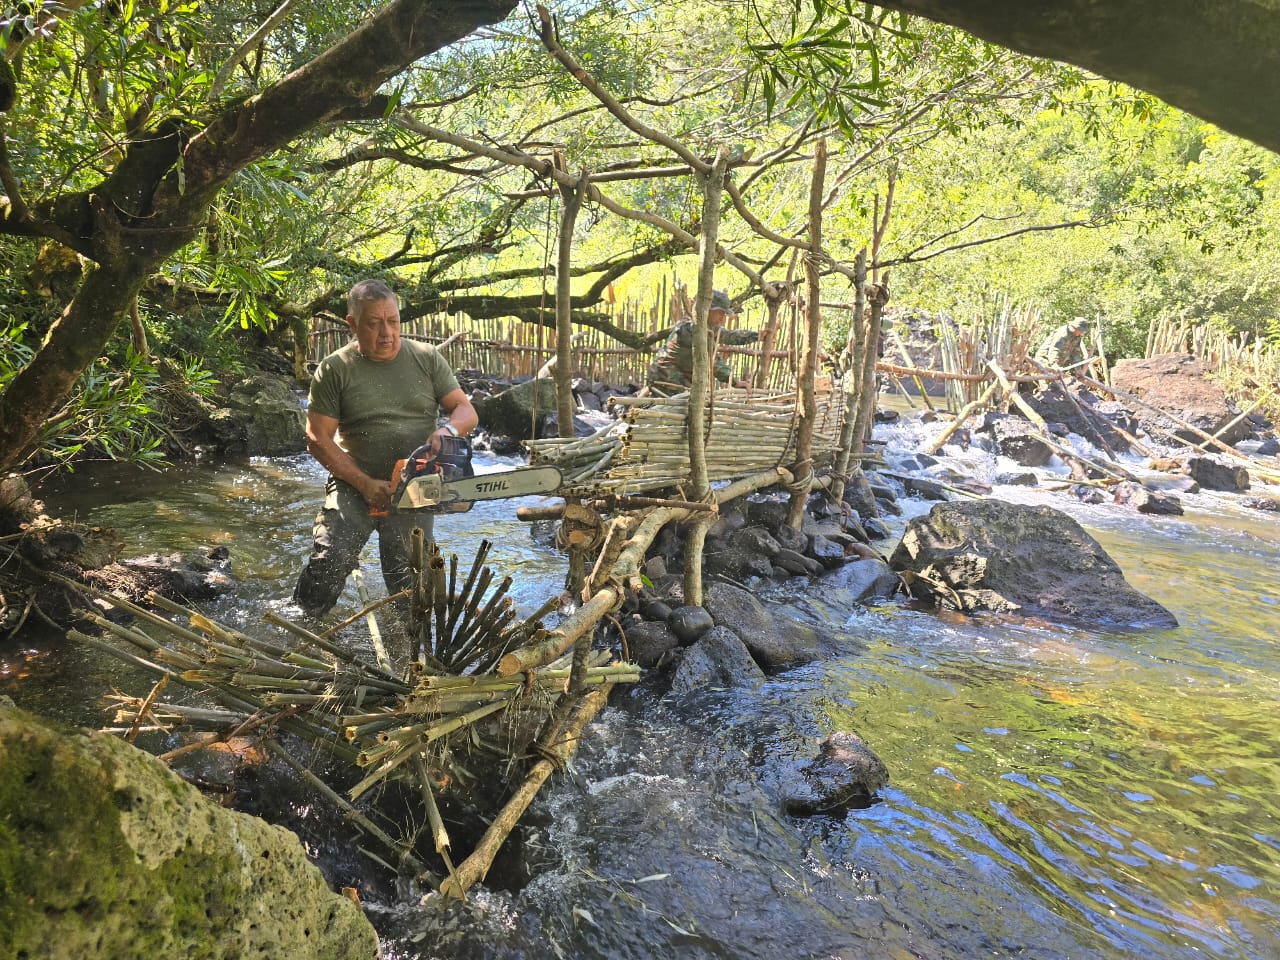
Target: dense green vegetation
131,164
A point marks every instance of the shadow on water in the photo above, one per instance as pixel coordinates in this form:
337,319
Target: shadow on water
1055,792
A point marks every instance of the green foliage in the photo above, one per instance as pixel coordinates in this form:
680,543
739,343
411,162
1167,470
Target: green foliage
1172,217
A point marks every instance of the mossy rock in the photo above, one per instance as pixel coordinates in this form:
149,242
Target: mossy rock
104,852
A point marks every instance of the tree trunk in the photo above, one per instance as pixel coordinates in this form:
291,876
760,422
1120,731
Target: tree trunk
712,188
809,357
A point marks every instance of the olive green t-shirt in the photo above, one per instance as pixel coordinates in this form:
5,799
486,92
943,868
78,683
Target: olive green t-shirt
384,409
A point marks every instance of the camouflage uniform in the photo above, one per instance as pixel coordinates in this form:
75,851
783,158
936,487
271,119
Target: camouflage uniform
672,368
1062,348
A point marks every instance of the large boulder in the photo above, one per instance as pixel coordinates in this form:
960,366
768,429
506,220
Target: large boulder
776,642
517,412
105,852
860,581
990,555
1018,440
1177,383
271,415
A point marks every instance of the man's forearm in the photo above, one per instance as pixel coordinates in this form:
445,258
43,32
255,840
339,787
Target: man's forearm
339,463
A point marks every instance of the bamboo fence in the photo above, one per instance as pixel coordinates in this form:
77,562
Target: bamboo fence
1218,349
515,349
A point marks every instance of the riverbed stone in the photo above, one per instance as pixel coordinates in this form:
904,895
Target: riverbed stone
755,542
1019,441
769,514
789,538
515,412
105,852
797,563
776,642
1135,496
991,555
826,551
649,642
857,582
1268,504
689,622
845,774
1218,473
718,659
859,495
876,529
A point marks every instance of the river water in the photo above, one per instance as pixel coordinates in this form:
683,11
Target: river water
1055,792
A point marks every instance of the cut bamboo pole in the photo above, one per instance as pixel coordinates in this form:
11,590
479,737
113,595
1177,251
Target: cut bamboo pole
476,867
965,413
1207,437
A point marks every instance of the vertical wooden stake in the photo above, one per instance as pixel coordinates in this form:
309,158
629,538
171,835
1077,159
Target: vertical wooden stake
809,358
712,188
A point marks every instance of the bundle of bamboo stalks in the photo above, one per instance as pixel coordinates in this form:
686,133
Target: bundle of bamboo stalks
419,725
646,448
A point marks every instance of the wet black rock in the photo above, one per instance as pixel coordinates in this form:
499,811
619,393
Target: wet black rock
1018,440
649,642
1137,497
845,774
826,551
797,563
876,529
776,642
859,494
991,555
1087,493
755,541
657,610
1217,473
689,623
860,581
1018,480
1270,504
718,659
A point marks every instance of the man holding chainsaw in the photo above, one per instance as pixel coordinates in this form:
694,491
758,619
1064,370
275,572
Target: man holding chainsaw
381,396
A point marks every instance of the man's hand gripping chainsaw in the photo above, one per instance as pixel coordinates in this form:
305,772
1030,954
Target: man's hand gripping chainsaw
447,483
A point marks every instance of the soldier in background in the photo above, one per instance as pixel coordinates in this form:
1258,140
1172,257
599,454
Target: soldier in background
672,368
1065,346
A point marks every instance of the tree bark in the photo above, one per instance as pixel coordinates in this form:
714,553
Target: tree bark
809,357
712,190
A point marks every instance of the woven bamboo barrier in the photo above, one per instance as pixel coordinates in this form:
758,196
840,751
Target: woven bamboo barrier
645,449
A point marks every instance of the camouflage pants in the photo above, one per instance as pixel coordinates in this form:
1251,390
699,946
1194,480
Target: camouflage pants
343,526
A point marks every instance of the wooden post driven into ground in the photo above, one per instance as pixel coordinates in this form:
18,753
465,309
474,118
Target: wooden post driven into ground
703,358
572,196
571,203
809,356
853,379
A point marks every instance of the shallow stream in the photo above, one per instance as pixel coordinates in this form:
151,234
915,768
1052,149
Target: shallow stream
1055,792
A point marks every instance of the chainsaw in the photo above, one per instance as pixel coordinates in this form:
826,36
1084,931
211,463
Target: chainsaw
447,483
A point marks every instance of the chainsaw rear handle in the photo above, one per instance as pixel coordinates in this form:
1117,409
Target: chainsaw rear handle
452,461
